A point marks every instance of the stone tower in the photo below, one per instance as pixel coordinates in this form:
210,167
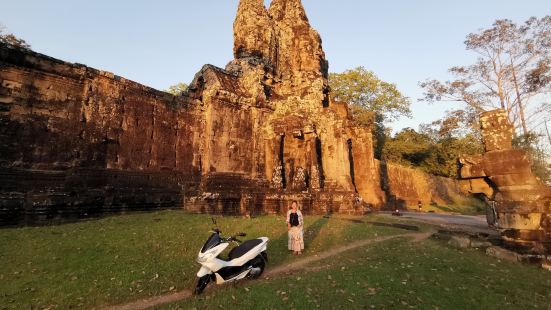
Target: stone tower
305,142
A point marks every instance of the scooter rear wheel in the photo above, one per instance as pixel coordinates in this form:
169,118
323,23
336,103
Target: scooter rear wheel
200,284
258,262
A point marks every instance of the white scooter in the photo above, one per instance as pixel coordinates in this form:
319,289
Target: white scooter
248,260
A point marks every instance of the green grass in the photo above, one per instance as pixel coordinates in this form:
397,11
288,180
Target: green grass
125,258
395,274
475,208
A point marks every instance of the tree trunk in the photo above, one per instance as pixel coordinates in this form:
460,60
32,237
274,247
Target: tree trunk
519,101
500,86
547,129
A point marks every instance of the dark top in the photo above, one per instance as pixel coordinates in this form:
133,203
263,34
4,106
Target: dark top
293,219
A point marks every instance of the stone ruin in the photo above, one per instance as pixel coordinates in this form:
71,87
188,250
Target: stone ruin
522,203
247,139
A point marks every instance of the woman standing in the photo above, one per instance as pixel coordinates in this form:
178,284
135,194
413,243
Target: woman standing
295,225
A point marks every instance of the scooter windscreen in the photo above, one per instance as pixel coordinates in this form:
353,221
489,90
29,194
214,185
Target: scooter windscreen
213,241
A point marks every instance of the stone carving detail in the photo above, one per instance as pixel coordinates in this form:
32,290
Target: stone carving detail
315,178
277,177
504,176
300,179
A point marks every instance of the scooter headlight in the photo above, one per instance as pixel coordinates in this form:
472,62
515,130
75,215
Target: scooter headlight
204,257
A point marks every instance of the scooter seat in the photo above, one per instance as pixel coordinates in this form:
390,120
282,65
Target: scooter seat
243,248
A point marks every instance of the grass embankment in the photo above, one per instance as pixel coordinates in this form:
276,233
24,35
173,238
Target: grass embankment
125,258
395,274
467,207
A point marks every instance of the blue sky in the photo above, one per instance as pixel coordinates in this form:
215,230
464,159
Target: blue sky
159,43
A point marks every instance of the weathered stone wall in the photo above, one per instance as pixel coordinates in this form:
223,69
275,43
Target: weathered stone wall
77,140
64,115
407,186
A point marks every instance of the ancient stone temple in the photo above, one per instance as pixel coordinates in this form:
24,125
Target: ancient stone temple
522,202
244,139
248,138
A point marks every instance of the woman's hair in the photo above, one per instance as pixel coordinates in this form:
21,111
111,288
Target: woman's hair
294,202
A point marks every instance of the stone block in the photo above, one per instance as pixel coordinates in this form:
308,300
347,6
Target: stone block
530,221
477,243
503,254
505,162
471,167
512,179
477,186
497,131
460,242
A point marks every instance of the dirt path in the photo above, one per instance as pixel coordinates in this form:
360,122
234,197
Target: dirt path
271,273
304,262
468,223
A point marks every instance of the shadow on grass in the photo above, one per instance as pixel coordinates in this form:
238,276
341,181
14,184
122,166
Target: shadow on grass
382,224
313,231
394,225
310,234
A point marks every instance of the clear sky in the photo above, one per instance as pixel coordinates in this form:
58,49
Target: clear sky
159,43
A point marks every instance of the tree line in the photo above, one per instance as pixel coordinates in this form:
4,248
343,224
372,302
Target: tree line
512,72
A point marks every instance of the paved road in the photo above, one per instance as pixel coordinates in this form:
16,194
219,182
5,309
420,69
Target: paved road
468,222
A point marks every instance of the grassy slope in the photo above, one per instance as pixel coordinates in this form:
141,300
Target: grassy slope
466,206
125,258
396,274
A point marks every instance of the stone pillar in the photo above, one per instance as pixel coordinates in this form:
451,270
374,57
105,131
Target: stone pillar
367,184
522,202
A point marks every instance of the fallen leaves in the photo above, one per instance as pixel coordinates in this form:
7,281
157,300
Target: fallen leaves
154,277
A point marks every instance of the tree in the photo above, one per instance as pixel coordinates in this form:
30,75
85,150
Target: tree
408,147
364,91
455,124
512,68
453,136
178,89
372,101
430,151
12,40
540,166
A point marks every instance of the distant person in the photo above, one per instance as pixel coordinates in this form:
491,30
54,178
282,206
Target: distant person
420,206
295,225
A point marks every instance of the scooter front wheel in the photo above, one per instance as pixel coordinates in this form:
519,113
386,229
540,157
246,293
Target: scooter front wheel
200,284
